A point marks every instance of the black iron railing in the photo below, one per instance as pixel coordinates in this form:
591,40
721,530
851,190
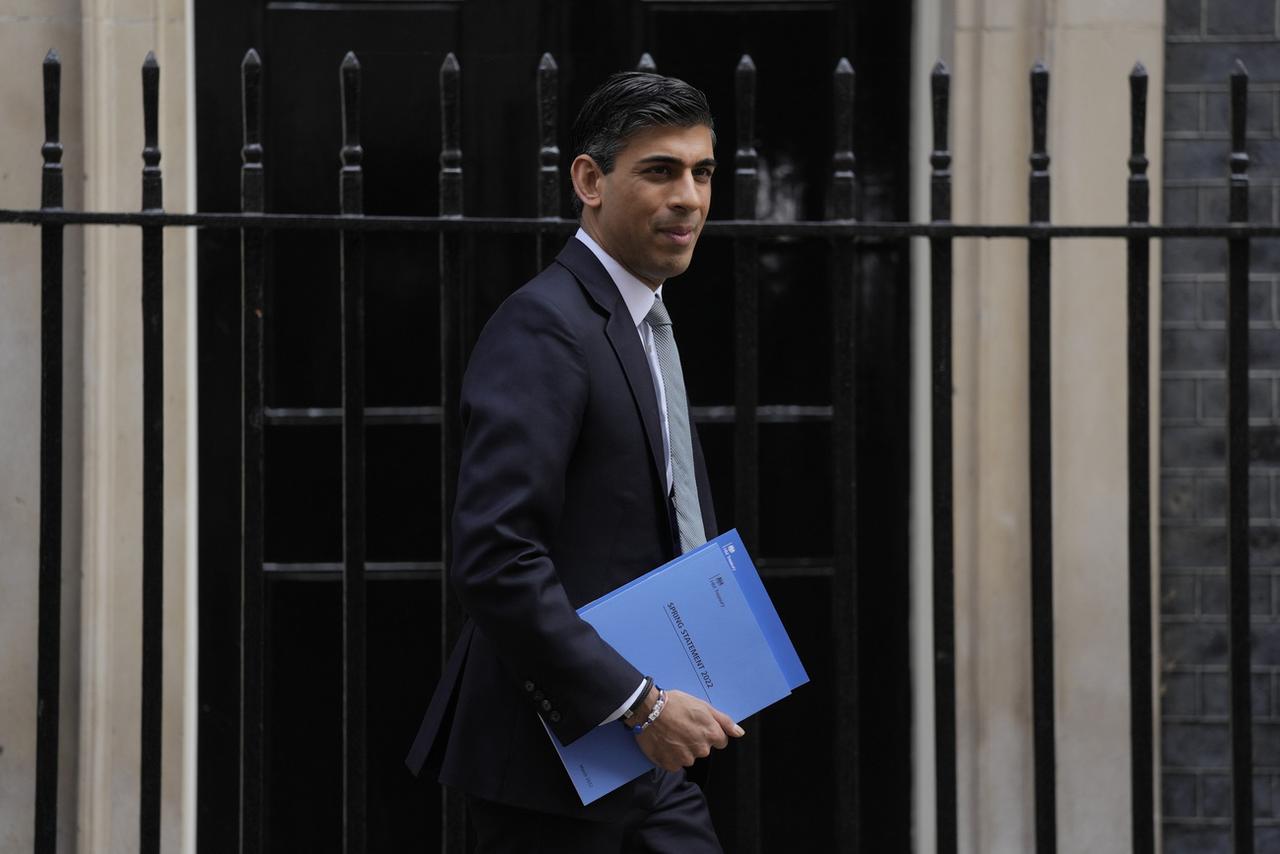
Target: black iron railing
1138,260
49,640
1238,477
845,234
944,621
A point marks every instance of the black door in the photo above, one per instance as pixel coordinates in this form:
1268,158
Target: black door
498,43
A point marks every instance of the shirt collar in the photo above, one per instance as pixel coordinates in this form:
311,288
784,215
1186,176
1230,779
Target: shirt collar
636,294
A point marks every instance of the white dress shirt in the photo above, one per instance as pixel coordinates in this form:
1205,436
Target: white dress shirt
639,299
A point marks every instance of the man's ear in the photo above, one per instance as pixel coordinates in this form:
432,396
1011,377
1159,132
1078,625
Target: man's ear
587,177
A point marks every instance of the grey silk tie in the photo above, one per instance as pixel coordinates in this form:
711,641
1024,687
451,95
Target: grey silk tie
688,512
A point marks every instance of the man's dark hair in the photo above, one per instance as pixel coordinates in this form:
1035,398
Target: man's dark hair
631,101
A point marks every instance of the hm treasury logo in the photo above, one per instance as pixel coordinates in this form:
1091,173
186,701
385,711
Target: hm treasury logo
728,555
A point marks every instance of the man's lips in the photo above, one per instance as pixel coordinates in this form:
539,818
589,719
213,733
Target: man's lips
680,234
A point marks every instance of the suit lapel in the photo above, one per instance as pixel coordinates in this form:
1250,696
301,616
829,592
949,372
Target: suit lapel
621,332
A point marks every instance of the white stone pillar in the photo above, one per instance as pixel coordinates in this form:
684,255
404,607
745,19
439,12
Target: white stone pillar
1090,47
28,29
117,35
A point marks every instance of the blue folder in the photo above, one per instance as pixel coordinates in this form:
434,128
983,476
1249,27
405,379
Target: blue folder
702,624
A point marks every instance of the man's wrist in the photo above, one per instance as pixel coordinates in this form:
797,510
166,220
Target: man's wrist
637,711
647,702
655,711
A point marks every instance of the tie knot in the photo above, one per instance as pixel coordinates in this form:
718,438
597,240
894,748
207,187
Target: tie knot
657,315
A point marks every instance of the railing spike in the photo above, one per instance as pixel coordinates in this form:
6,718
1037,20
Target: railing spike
251,177
1137,140
1239,124
151,196
450,137
940,158
547,94
843,163
646,63
349,78
745,159
1039,136
51,151
351,177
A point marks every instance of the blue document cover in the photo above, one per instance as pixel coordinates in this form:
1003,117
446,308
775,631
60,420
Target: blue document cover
702,624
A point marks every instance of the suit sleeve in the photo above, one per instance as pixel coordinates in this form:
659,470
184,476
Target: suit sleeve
523,399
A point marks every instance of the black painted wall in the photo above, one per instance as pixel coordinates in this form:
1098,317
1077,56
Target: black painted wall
498,43
1203,41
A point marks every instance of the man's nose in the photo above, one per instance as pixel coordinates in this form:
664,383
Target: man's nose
684,192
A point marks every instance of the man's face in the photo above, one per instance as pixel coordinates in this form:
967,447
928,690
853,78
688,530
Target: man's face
651,208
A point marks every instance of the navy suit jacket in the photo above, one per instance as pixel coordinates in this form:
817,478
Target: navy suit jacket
561,498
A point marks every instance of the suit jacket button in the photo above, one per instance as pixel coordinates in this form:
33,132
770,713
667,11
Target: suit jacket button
555,717
538,695
546,705
528,686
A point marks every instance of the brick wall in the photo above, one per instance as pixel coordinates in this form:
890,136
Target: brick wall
1204,38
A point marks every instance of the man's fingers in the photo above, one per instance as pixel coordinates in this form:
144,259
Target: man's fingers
727,724
683,734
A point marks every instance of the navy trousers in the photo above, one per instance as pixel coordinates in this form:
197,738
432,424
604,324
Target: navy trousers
668,815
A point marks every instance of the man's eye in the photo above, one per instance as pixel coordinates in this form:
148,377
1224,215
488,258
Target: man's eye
703,174
659,170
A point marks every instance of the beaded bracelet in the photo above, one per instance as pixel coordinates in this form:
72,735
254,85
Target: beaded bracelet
653,715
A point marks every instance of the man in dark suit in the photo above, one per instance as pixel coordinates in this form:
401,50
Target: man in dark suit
580,471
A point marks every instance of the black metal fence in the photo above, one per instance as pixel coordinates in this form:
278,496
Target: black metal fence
845,235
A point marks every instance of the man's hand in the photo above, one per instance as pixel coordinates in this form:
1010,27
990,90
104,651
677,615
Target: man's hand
686,730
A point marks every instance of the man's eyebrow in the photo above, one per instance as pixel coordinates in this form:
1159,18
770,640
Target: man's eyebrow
676,161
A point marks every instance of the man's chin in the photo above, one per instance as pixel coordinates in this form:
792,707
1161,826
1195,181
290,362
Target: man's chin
674,270
677,264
